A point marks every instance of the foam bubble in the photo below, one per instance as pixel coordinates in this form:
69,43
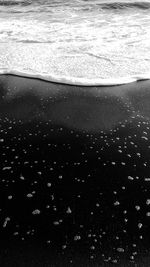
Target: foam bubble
78,81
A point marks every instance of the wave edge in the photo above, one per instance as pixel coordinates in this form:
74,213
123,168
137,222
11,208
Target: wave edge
78,81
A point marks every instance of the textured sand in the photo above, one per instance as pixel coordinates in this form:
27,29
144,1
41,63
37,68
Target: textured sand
74,174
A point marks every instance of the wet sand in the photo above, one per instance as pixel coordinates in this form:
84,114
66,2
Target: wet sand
74,174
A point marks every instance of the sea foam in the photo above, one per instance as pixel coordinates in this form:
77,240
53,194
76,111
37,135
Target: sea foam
76,42
78,81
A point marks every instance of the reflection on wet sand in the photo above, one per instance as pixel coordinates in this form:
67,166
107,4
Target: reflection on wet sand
79,109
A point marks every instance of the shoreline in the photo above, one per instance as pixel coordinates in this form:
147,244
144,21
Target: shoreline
78,81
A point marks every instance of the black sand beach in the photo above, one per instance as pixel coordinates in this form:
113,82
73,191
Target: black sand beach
74,174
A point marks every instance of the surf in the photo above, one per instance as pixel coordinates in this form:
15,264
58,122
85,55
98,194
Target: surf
78,81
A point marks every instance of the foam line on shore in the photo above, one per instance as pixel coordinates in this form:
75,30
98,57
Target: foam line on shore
78,81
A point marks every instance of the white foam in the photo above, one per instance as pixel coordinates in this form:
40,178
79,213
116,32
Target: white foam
77,43
78,81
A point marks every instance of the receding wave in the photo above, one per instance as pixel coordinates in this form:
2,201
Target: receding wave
104,5
124,5
14,2
78,81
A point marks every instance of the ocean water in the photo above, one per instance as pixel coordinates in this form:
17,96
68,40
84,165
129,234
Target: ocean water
83,42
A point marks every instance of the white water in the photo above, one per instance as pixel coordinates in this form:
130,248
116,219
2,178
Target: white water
75,42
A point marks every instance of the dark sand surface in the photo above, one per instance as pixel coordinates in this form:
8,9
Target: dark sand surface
74,174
